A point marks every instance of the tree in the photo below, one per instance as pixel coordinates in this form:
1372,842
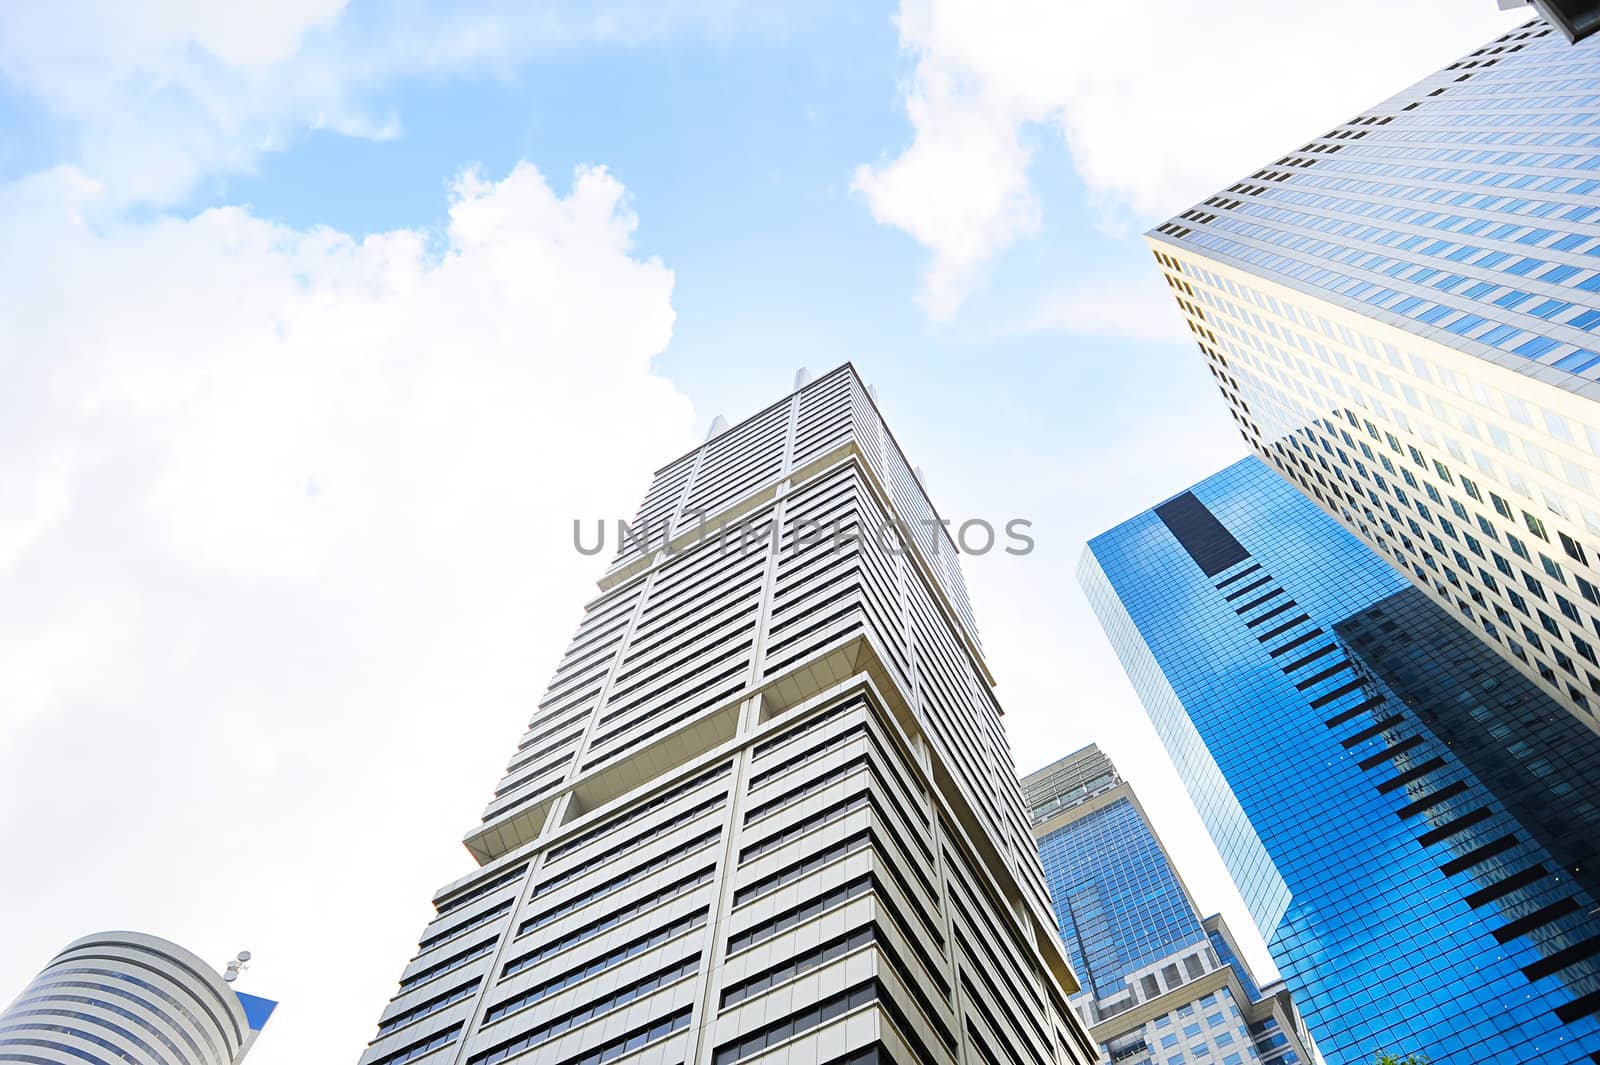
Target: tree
1386,1058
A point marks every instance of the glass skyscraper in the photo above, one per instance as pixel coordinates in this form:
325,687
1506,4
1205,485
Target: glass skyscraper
1160,985
1403,315
1408,818
766,811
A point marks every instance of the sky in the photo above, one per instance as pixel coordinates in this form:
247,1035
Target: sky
322,321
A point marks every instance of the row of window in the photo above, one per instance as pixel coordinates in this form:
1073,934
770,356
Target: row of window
430,1007
611,826
633,843
489,887
618,917
604,963
427,1045
632,875
557,1026
781,922
752,1043
450,964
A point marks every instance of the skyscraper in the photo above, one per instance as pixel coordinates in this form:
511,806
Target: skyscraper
765,811
1401,314
129,997
1407,818
1158,982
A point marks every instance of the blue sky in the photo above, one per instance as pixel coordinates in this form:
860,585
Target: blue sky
321,325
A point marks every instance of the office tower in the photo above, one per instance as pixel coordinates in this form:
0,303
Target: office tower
1402,314
128,997
765,811
1158,982
1409,827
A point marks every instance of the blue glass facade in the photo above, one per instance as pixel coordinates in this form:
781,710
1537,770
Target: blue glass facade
1409,906
1119,904
1159,985
1463,207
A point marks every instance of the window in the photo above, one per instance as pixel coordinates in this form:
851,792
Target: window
1518,549
1535,526
1572,548
1501,506
1551,569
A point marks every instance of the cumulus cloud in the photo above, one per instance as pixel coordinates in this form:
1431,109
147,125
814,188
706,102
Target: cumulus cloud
1158,104
285,558
158,95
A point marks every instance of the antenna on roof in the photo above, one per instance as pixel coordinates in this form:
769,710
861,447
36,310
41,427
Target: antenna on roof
802,377
718,425
239,964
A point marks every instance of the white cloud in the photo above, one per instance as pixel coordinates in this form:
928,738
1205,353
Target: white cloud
1159,104
980,202
285,558
156,96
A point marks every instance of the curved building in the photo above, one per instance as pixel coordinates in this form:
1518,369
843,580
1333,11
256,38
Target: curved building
125,997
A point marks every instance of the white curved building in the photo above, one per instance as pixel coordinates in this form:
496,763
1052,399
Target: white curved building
125,997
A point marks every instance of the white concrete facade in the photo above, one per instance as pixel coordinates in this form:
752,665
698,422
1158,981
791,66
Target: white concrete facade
766,811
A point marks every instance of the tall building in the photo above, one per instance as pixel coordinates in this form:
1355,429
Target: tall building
765,811
1401,314
1158,982
128,997
1408,819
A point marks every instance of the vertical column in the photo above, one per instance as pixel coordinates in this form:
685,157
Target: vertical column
702,1029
